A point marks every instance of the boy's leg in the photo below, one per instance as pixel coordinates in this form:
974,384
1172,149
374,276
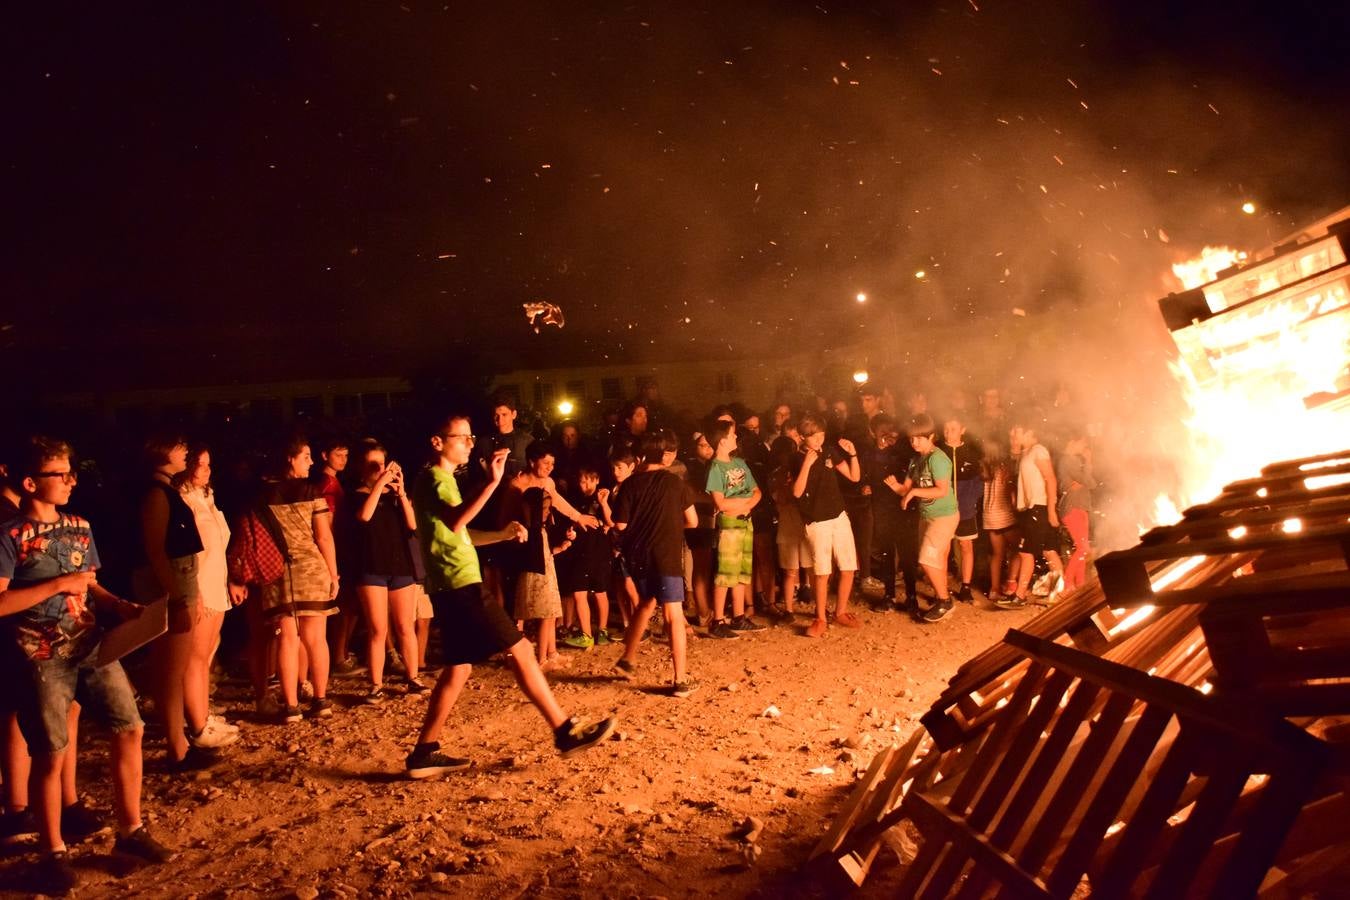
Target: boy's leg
443,696
846,555
125,748
533,683
720,602
583,612
69,789
674,615
738,601
110,696
46,785
632,638
601,611
1026,565
169,655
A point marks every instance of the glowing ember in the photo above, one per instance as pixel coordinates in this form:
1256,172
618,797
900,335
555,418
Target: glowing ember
861,298
1238,532
1249,207
1291,526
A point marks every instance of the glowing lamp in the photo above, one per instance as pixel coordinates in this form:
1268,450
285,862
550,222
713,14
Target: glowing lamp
861,298
921,274
1249,207
860,376
565,407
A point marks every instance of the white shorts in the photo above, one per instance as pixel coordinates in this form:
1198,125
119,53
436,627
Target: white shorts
935,539
831,541
793,552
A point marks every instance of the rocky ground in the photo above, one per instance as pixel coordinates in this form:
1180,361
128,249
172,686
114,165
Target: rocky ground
770,744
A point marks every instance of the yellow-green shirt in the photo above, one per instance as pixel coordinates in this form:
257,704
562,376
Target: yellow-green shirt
451,560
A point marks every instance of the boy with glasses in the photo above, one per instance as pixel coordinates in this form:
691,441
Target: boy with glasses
49,645
473,628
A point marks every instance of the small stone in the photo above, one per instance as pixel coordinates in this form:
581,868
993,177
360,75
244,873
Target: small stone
306,893
772,712
732,688
438,877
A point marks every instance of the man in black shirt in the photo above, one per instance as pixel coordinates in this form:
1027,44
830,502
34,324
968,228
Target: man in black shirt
828,533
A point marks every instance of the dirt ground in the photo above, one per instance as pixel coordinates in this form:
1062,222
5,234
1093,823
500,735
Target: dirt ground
323,808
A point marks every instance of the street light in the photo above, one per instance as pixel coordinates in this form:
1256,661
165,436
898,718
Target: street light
860,376
862,298
565,407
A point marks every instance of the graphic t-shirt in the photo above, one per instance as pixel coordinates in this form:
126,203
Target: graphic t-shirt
927,471
62,626
652,505
731,479
451,559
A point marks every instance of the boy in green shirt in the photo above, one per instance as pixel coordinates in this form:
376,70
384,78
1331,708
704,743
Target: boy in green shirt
929,483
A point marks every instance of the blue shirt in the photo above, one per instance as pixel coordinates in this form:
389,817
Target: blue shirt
61,626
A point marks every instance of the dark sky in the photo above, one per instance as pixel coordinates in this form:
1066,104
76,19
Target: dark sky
254,190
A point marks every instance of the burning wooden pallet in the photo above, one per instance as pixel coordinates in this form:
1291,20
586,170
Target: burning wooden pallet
1247,599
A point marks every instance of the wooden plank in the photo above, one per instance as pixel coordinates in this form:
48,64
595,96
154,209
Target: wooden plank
1281,802
1197,836
844,821
929,816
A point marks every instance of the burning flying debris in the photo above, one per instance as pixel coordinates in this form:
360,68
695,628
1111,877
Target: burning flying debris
541,312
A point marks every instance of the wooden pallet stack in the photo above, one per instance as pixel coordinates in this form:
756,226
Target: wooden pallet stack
1181,726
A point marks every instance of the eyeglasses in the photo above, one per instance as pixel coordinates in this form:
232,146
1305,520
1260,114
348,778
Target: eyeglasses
66,477
467,438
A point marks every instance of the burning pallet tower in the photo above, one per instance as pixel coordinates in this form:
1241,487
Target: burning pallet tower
1180,727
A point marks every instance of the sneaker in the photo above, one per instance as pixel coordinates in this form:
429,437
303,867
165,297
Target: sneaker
79,822
54,875
682,689
320,708
427,761
222,722
964,595
417,686
266,707
779,615
142,845
374,696
1012,601
579,640
848,620
871,585
291,714
625,669
745,623
937,612
348,665
602,637
720,629
696,620
306,691
816,628
195,760
1043,585
572,738
213,736
18,826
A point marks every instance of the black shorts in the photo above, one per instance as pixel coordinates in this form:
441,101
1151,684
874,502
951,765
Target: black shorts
1038,535
473,628
968,529
583,575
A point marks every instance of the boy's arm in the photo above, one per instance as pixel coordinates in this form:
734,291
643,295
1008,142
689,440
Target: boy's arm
799,486
849,469
457,517
690,517
514,531
1051,488
106,599
13,600
568,510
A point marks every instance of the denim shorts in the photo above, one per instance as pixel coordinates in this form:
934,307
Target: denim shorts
391,582
44,689
662,588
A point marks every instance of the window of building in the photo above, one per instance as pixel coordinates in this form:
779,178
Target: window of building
510,390
611,388
576,392
543,394
374,402
726,382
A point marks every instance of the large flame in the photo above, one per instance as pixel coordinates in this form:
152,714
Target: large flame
1270,382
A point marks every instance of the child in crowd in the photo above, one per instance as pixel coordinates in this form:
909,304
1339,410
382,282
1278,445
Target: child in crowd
1000,518
1075,504
929,483
583,568
969,487
702,538
623,462
1037,515
828,533
473,627
654,508
735,494
49,641
537,595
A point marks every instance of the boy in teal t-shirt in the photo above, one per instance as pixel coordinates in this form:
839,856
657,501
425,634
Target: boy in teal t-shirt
929,482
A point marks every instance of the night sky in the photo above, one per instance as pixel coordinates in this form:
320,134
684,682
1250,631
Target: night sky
240,190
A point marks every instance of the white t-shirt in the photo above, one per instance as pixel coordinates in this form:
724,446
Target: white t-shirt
1030,481
212,575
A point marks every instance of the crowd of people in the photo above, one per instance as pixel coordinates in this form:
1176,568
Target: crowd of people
735,521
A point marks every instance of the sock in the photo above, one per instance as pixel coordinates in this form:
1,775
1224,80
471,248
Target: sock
427,748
